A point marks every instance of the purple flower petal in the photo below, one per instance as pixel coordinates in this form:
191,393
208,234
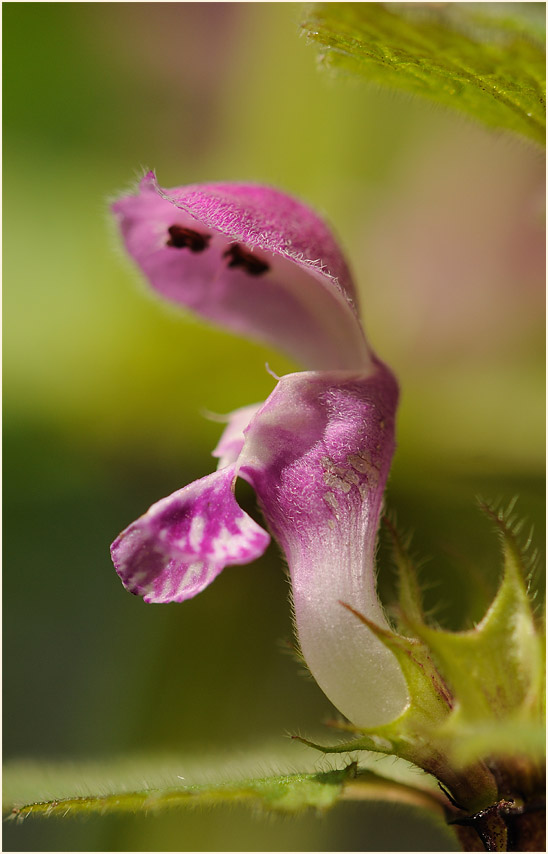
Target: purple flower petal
232,440
318,455
251,259
317,452
184,541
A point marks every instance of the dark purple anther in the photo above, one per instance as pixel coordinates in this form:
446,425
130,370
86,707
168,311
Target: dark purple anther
246,260
186,238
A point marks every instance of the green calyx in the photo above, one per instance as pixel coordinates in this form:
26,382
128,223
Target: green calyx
496,670
475,716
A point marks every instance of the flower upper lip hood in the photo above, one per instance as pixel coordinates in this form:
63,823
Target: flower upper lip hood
304,302
317,452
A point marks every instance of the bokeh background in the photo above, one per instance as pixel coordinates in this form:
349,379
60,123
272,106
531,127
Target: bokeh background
105,388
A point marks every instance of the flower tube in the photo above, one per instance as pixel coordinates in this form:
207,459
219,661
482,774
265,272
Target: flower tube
317,452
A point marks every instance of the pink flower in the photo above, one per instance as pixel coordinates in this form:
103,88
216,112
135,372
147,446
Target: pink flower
317,452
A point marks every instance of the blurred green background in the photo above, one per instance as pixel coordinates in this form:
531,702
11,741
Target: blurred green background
105,388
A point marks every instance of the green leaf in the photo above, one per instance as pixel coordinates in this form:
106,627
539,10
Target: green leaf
488,65
289,793
152,786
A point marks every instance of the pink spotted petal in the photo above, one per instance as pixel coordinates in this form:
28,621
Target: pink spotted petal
184,541
250,259
318,455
